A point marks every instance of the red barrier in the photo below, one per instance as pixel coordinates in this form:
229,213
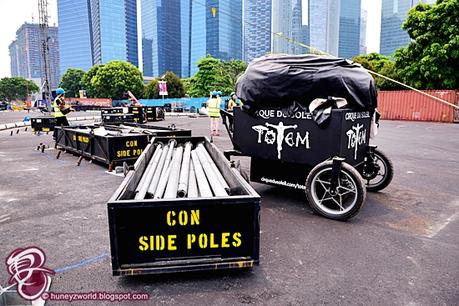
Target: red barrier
411,105
89,101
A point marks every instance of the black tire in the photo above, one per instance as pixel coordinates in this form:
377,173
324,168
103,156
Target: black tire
385,166
352,188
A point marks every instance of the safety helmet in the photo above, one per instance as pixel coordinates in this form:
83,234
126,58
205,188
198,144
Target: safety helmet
60,91
214,93
219,93
232,94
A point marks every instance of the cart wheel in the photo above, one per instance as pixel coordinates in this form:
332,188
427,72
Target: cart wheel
378,171
345,201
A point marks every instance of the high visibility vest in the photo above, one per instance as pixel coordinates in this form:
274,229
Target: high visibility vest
57,111
213,107
231,105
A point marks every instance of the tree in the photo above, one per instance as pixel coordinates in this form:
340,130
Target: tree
431,59
175,87
214,74
114,79
91,90
16,88
151,90
231,70
207,77
71,82
383,65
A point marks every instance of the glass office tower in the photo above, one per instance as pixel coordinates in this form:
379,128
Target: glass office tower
393,14
74,34
349,28
114,29
256,28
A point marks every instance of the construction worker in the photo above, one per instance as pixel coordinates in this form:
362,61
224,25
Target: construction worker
60,111
213,109
230,104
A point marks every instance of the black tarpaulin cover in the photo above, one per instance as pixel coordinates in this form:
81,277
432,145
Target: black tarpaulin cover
278,80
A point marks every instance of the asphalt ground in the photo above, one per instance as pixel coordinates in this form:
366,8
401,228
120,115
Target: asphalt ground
401,249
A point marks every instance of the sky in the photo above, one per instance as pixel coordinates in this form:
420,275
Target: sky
15,12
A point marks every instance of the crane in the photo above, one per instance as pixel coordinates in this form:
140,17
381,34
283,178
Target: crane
44,48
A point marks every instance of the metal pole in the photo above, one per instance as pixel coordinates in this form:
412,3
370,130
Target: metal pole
217,188
148,174
162,184
219,175
184,172
192,184
172,184
203,185
154,183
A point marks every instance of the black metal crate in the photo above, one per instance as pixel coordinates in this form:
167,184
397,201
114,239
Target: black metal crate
138,113
111,110
110,149
274,134
117,118
219,232
42,124
154,113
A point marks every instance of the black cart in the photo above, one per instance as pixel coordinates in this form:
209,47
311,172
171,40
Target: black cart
332,164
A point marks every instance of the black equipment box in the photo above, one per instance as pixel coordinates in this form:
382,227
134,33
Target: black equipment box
154,236
109,149
111,110
117,118
138,113
42,124
154,113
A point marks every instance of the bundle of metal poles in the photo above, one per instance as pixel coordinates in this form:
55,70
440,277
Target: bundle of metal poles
179,171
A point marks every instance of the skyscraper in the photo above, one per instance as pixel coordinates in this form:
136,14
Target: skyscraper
393,14
256,28
216,29
321,24
75,42
25,54
349,28
177,33
114,31
161,36
363,31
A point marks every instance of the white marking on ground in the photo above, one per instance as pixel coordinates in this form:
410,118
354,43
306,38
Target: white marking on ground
435,229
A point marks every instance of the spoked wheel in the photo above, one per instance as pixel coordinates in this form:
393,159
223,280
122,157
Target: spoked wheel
378,171
340,203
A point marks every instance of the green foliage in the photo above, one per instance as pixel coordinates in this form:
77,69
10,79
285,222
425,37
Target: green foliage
231,70
175,88
114,79
151,90
214,74
383,65
431,60
91,91
174,85
16,88
71,82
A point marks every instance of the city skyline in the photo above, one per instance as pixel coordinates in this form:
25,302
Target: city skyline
26,57
53,19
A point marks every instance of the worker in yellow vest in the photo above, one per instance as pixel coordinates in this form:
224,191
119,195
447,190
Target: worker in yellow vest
213,110
59,108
